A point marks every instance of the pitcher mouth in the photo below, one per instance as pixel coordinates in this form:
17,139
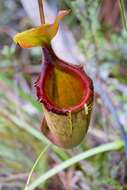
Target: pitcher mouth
64,88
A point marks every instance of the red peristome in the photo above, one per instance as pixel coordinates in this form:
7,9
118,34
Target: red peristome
50,62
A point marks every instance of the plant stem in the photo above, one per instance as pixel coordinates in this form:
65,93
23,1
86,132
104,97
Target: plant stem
123,15
41,10
94,151
34,166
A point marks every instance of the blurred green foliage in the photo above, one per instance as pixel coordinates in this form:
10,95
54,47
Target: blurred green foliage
20,113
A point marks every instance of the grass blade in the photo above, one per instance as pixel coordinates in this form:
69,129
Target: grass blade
97,150
34,166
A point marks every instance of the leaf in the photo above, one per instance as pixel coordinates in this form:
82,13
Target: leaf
116,145
40,36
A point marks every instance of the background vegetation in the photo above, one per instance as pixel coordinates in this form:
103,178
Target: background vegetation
101,39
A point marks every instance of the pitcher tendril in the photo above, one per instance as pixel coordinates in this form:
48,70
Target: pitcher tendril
41,11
